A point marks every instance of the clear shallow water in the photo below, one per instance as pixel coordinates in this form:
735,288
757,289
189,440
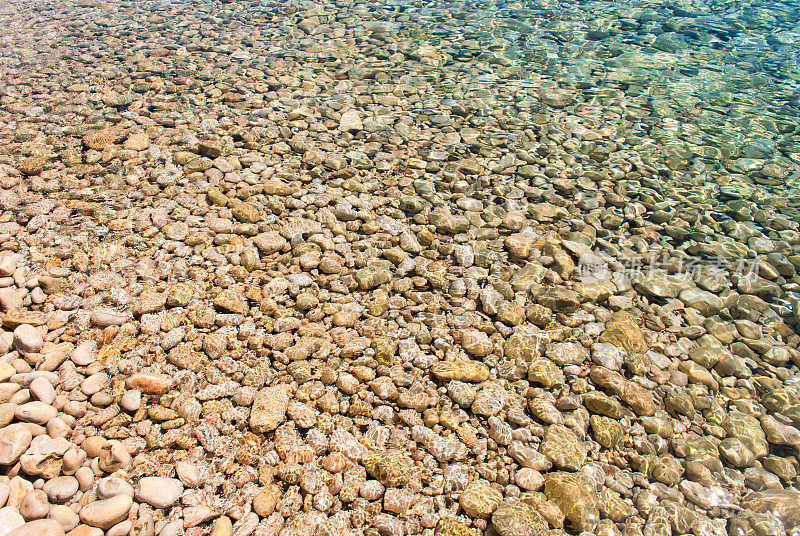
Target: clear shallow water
706,91
720,78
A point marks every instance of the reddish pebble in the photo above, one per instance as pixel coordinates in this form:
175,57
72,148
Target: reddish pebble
183,80
150,383
103,138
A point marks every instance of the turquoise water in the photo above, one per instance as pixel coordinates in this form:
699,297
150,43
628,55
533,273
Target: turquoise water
720,78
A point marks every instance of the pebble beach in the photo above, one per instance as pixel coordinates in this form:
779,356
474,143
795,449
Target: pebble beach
340,268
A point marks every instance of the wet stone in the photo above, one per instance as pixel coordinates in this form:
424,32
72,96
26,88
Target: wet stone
514,518
748,430
575,497
544,372
489,400
606,431
319,266
623,332
465,371
101,139
448,223
462,393
392,470
562,447
452,527
376,274
269,408
480,499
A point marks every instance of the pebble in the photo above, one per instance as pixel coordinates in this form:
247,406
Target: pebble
14,441
27,339
159,492
60,489
480,499
35,412
39,527
269,408
106,513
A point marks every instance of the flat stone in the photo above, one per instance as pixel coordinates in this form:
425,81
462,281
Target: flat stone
390,469
269,408
781,503
661,286
179,295
278,188
608,432
106,513
448,223
14,441
477,343
159,492
246,213
641,400
562,447
461,370
748,430
39,527
61,489
452,527
17,317
623,331
101,139
559,299
35,412
137,141
576,498
150,383
706,302
489,400
375,274
104,317
231,301
350,122
270,242
778,433
480,499
515,518
555,97
542,371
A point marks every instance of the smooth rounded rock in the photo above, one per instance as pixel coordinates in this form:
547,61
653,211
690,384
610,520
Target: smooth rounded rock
36,412
113,486
61,489
106,513
43,390
159,492
34,505
64,516
10,519
27,339
40,527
